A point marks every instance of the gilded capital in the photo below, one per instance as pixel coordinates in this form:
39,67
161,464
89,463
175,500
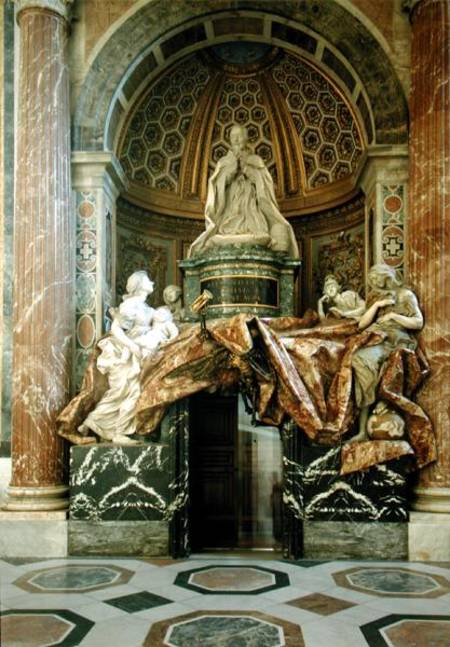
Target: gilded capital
61,7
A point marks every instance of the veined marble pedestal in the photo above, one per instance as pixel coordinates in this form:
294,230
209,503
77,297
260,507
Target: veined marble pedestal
119,499
242,279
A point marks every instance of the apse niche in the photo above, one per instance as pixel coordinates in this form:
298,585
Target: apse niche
299,121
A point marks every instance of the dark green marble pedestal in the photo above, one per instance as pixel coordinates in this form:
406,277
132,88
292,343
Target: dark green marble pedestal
119,499
242,279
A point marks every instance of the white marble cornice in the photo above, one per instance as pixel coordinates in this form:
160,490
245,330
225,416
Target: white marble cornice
61,7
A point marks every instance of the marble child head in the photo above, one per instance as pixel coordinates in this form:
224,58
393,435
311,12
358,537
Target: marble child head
171,294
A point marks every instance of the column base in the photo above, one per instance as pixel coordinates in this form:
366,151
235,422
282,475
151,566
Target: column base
429,537
35,499
33,534
431,499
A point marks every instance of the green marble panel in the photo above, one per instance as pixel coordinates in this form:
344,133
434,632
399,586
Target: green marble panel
144,538
243,279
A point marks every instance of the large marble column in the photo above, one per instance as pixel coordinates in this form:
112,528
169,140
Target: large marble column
429,255
43,310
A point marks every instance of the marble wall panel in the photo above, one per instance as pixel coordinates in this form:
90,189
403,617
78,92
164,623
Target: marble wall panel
175,429
85,280
152,242
98,16
111,482
393,227
332,242
315,490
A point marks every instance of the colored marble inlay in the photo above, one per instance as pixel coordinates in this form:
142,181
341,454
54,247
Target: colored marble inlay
228,631
85,280
314,488
133,485
138,601
426,632
397,582
232,579
42,628
324,605
73,578
225,629
408,630
393,233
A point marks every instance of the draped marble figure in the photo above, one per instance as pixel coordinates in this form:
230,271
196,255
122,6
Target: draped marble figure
336,303
392,312
323,374
241,207
137,331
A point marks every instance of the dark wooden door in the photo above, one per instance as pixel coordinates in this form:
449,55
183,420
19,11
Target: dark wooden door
213,472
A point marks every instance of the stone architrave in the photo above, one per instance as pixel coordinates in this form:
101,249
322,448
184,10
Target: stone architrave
43,313
429,249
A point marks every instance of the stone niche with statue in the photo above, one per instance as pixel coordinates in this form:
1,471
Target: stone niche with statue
338,384
247,257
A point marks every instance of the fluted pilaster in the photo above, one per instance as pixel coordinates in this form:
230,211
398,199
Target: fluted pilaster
43,259
428,227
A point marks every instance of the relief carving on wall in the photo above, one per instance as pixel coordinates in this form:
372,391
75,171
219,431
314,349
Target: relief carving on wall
138,252
341,254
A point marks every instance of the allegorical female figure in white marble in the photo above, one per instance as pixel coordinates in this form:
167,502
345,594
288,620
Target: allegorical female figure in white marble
136,333
393,311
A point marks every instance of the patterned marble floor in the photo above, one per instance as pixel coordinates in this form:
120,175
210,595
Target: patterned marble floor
223,602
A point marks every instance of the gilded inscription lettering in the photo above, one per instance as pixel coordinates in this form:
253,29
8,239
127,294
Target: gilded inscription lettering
245,290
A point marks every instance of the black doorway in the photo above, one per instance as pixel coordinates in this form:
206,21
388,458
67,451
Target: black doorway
235,477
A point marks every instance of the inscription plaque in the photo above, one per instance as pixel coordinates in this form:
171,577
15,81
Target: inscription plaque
245,290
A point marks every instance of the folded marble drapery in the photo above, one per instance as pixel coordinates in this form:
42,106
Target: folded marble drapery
294,367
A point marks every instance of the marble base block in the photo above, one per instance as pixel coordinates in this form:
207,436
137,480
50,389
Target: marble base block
143,538
429,537
350,540
33,534
124,483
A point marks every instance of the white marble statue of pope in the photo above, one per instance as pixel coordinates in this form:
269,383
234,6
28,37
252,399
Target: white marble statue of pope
241,207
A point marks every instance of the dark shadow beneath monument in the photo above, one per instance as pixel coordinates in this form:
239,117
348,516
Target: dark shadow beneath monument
235,477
